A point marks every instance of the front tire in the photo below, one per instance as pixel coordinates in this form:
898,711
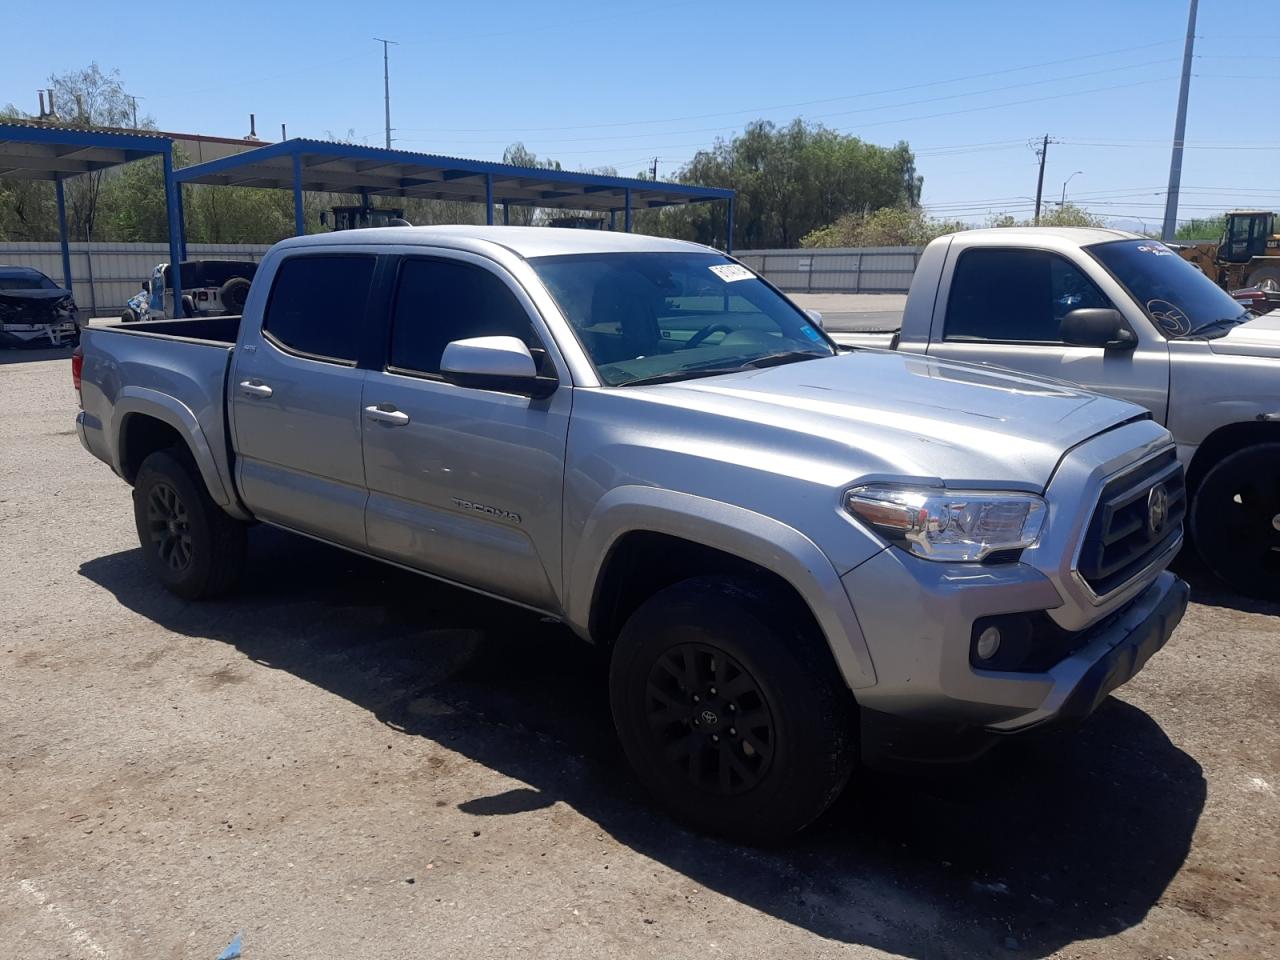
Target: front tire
730,709
1235,520
190,544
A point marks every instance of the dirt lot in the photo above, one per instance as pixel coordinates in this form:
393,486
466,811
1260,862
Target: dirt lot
347,761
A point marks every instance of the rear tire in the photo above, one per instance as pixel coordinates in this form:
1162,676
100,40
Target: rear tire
1235,520
190,544
730,709
233,294
129,315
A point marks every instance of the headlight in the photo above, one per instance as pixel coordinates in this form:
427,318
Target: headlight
949,525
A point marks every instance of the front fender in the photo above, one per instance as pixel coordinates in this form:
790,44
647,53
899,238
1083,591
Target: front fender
754,537
152,403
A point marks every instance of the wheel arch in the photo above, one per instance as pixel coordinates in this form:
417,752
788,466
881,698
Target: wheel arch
147,421
1225,441
641,539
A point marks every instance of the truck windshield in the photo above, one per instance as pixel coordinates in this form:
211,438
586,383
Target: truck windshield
1181,301
658,317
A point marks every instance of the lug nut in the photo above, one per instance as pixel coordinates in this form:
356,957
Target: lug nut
733,732
714,738
695,698
713,691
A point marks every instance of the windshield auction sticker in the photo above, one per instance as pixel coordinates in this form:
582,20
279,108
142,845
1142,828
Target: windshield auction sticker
728,272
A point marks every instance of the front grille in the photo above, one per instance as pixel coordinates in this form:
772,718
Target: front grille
1120,541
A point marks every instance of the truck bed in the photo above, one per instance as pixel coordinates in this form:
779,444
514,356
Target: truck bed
219,330
174,371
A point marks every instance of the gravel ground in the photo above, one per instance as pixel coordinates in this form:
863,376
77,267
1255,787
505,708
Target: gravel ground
347,761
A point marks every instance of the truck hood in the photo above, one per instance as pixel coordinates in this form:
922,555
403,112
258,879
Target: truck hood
1260,337
901,415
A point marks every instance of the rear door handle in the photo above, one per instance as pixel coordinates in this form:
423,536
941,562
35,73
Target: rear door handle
388,414
254,388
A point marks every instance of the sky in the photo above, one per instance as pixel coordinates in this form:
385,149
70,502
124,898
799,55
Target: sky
969,85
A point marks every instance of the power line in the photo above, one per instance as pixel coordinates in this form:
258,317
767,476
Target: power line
809,103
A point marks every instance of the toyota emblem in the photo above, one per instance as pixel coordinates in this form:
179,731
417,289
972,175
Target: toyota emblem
1157,509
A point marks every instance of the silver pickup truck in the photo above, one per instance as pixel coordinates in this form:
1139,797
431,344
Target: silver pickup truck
788,550
1125,316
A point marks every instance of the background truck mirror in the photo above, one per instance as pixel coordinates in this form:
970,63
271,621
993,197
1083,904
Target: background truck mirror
1097,327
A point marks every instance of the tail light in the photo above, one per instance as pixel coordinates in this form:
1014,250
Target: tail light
77,367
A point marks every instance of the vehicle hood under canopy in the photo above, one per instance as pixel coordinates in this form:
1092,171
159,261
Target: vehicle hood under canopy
40,305
904,415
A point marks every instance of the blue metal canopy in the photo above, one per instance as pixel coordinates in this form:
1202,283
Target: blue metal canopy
42,151
326,166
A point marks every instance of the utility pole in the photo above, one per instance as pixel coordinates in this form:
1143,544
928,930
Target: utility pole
1179,131
133,103
1044,152
654,172
386,84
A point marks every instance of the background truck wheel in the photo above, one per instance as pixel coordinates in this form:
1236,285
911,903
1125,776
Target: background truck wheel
730,710
128,315
234,293
1235,520
1263,274
194,548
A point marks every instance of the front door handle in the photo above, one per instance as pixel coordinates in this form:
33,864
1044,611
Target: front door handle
254,388
388,414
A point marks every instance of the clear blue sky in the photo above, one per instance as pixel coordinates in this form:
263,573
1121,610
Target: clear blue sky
967,84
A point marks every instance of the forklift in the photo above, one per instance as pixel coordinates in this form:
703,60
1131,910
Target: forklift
1247,255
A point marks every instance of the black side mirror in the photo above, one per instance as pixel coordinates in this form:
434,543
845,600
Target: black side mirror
1097,327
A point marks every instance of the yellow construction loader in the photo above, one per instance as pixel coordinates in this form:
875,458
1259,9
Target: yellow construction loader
1247,255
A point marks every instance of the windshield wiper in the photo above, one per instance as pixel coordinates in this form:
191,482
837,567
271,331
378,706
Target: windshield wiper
1213,325
712,368
787,356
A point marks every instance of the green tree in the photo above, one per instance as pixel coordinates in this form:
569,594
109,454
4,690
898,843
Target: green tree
790,181
1202,228
886,227
1067,215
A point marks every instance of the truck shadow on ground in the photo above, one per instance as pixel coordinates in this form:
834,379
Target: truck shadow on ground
1070,836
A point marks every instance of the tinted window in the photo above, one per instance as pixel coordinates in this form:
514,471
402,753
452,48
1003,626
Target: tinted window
25,280
671,316
1018,295
318,303
439,301
1179,298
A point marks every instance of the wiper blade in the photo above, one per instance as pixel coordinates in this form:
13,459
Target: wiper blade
788,356
1215,325
674,375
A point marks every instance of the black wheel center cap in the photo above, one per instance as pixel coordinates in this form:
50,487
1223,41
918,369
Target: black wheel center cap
709,718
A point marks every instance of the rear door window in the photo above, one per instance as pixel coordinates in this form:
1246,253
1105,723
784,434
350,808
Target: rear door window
439,301
1017,296
317,306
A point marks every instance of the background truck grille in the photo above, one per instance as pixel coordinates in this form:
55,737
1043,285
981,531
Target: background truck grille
1120,541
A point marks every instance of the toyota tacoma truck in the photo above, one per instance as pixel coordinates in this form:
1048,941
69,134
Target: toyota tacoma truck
792,553
1124,315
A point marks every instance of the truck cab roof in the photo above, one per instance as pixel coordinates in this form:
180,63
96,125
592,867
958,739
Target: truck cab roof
526,242
1029,236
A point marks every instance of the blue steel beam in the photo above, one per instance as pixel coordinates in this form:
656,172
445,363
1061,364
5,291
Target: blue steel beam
728,244
174,216
488,199
626,210
62,233
299,224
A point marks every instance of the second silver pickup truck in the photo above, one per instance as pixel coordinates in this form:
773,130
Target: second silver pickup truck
790,551
1125,316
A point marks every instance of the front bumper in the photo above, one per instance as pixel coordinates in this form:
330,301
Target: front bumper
38,334
917,618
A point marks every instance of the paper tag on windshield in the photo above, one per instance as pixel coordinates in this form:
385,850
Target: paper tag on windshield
728,272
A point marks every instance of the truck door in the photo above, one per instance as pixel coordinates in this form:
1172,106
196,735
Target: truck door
295,398
1004,305
464,483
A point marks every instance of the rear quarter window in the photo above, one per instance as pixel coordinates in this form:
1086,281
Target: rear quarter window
317,305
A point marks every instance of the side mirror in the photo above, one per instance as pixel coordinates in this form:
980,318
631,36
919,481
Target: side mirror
1097,327
495,363
146,285
816,317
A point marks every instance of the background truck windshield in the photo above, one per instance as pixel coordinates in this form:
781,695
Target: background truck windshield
1180,299
645,317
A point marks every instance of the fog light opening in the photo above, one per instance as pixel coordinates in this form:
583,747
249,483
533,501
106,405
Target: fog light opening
988,643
